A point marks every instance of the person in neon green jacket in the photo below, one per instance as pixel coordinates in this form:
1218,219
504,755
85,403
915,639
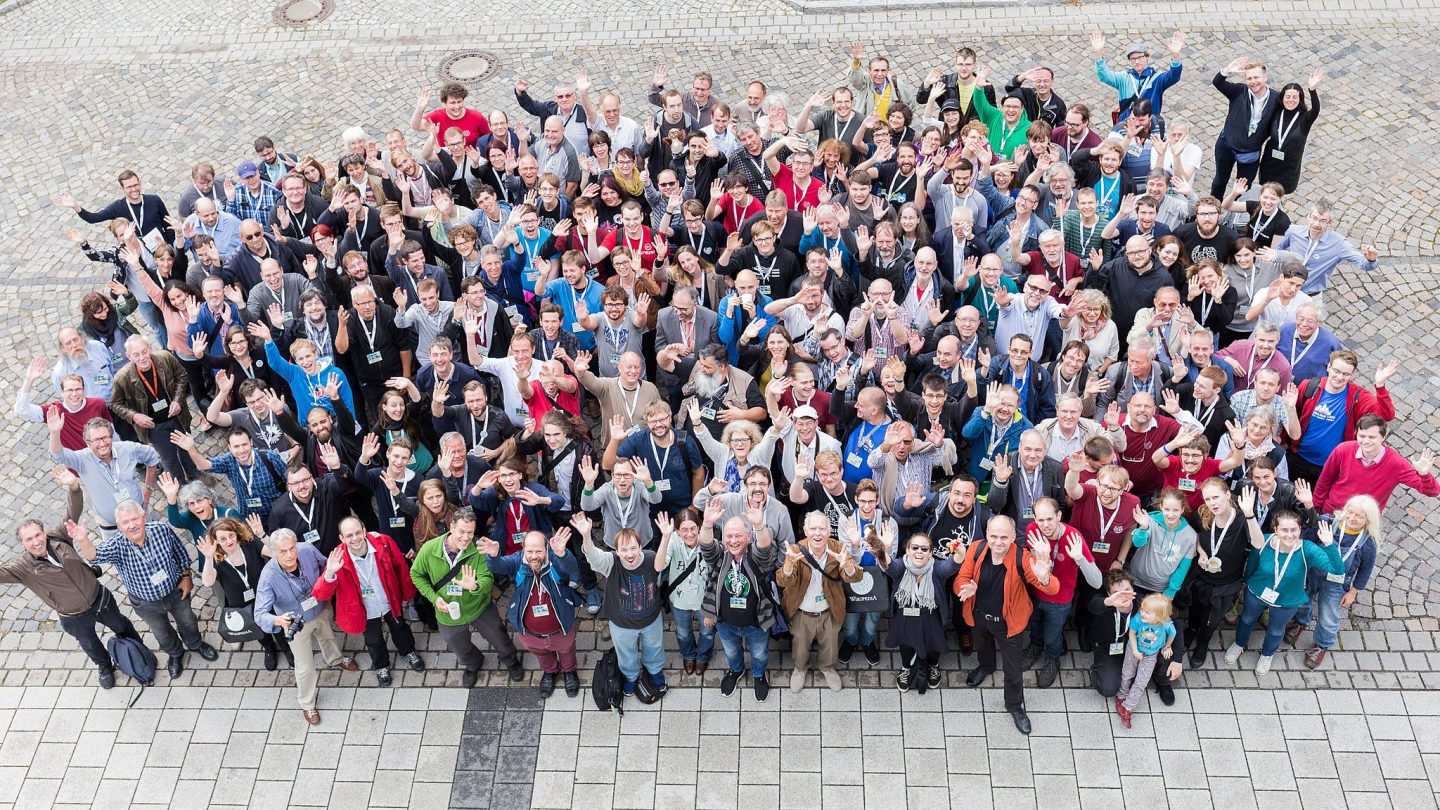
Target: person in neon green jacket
464,603
1007,125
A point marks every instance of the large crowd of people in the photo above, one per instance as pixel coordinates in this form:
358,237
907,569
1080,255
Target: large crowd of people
938,364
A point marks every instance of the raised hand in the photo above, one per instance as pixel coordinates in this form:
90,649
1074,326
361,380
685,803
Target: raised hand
1002,469
1247,501
1425,463
335,562
588,471
1385,372
1142,518
169,486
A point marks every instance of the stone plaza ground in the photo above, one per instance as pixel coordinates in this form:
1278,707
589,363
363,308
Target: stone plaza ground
92,88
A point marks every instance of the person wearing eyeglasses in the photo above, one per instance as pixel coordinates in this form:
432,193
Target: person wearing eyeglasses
243,266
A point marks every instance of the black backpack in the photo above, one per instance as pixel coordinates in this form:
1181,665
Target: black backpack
607,687
133,659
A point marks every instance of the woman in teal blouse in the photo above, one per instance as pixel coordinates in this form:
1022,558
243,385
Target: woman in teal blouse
1275,576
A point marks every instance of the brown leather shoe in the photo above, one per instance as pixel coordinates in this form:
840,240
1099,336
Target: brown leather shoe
701,666
312,716
348,664
689,667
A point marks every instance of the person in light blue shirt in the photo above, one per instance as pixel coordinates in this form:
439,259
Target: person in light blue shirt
741,310
1307,344
222,226
1152,635
572,288
1323,250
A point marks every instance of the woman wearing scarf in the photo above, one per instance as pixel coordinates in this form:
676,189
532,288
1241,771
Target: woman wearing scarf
741,447
104,320
922,611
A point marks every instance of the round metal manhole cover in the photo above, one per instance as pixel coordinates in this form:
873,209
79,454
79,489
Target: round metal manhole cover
468,67
299,13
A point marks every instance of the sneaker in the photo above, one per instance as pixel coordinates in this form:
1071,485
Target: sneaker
629,689
977,676
797,681
1032,654
872,654
469,678
727,683
1233,654
1293,631
846,650
762,689
383,676
107,676
932,676
902,680
1313,659
572,684
271,661
1045,678
832,679
411,615
415,662
1262,666
592,601
1124,713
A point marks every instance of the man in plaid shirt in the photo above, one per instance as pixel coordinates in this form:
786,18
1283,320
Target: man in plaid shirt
154,565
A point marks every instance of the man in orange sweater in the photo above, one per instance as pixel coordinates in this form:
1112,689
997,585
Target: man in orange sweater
992,592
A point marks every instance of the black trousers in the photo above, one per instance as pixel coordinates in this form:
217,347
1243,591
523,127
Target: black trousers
104,611
1208,605
991,636
375,639
1300,469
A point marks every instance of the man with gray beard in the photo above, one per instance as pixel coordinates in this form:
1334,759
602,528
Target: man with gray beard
724,392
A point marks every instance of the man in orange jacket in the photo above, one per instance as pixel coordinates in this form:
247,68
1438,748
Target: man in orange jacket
368,578
991,587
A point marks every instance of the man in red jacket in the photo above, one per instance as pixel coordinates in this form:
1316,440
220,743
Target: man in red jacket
370,581
1367,466
1328,411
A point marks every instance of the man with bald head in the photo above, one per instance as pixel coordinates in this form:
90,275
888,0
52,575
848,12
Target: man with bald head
208,219
276,288
556,155
944,362
878,323
1130,281
255,247
742,315
929,297
623,130
623,398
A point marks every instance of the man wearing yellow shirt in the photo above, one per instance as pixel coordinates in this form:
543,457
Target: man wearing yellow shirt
877,89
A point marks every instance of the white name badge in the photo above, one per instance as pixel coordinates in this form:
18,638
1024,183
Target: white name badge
308,604
102,378
738,602
453,589
576,327
397,522
1100,548
881,352
1117,648
513,311
911,611
160,405
615,358
1029,515
1277,154
158,578
854,460
764,289
707,413
312,536
248,596
540,611
372,358
1269,596
1338,579
663,485
252,503
1187,484
987,464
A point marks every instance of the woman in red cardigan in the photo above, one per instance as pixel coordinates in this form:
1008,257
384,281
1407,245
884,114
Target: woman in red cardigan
991,587
370,581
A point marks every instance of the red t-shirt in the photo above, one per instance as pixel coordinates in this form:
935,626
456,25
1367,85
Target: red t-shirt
1190,484
1086,516
1145,477
472,123
540,403
820,401
540,618
517,525
646,246
1068,271
797,200
1066,570
733,215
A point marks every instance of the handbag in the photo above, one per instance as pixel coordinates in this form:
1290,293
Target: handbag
237,624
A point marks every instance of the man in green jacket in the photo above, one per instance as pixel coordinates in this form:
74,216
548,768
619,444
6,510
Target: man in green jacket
450,572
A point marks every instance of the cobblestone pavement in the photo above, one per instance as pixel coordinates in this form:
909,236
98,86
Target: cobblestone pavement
220,747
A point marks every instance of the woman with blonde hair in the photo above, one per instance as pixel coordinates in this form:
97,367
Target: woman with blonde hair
237,562
1093,325
1358,537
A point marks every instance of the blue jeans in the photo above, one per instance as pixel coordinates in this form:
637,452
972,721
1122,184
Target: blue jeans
695,640
1047,626
734,639
156,319
1274,630
859,628
633,645
1328,624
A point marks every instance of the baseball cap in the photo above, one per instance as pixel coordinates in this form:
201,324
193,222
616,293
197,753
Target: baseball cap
247,169
805,412
949,104
1137,47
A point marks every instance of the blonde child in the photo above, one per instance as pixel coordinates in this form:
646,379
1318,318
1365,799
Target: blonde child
1152,634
